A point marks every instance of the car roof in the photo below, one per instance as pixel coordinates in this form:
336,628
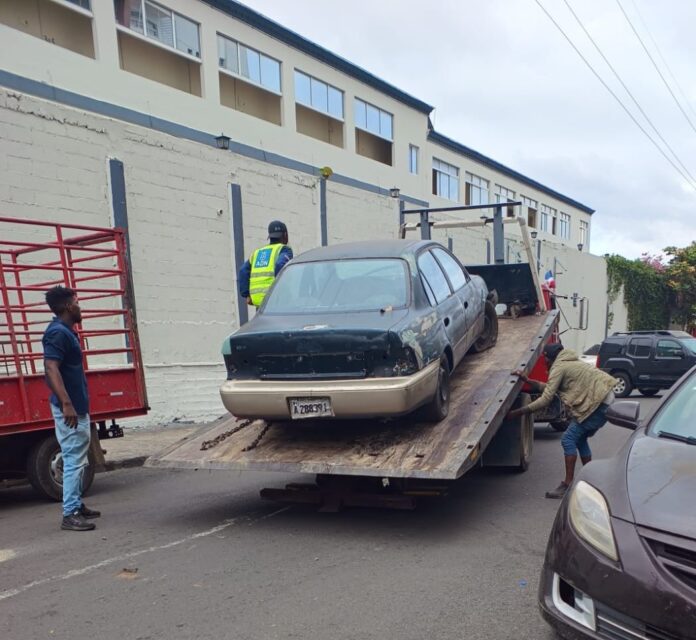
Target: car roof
366,249
658,332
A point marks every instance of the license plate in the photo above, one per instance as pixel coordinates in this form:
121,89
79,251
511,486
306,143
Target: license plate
302,408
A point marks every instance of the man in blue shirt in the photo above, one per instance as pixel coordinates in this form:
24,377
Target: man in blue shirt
258,273
65,376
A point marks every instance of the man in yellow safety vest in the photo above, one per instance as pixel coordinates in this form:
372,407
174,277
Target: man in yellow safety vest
259,272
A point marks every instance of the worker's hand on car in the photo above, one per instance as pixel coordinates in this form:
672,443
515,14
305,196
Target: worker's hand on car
521,375
515,413
69,415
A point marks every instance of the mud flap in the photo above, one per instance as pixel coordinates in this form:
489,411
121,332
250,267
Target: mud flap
513,443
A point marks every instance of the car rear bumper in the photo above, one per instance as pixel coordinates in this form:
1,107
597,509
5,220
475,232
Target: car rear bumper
363,398
582,594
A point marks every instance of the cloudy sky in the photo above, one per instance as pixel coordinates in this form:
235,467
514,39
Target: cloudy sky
505,81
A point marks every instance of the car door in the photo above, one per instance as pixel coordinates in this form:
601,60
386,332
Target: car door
670,360
640,352
449,306
471,300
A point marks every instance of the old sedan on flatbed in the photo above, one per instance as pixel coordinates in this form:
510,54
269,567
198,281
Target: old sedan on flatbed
361,330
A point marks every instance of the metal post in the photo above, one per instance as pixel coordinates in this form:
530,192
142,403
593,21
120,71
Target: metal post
498,235
488,251
450,244
322,213
238,241
402,215
538,256
425,225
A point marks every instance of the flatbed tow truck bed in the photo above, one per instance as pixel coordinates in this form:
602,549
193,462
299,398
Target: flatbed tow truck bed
482,392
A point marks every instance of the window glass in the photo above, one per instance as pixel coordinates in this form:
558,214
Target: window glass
335,103
677,414
372,118
360,114
270,73
690,344
413,158
452,268
85,4
428,291
158,22
640,347
445,180
129,13
303,92
320,98
340,286
187,36
668,349
433,274
227,54
385,125
249,64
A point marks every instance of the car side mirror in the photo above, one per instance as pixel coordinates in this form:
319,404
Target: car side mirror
624,414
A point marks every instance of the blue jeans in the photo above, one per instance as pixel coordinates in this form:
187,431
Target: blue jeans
74,445
575,437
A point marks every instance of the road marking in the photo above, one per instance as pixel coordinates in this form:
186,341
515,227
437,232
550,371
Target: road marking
74,573
7,554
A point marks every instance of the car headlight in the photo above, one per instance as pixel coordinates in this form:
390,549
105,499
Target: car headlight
589,515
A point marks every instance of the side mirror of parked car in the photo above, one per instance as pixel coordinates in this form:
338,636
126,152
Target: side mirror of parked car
624,414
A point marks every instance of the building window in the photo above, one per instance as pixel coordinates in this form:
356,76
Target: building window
564,226
505,195
248,63
583,233
548,219
373,119
159,23
530,207
66,24
476,189
445,180
413,158
318,95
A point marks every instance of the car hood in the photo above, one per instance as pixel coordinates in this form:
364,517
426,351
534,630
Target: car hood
323,323
661,479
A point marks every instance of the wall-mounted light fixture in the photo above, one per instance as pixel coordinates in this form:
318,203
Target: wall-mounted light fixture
579,246
534,234
222,141
394,192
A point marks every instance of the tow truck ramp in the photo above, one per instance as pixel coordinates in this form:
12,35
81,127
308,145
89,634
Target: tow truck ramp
482,391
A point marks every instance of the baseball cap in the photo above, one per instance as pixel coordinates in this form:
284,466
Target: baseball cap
276,229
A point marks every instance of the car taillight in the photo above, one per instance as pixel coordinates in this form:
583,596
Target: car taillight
596,364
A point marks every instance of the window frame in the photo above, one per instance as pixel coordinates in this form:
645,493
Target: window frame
584,229
634,341
73,6
657,347
243,78
380,112
428,253
328,86
156,41
411,149
498,192
564,222
471,184
547,214
450,177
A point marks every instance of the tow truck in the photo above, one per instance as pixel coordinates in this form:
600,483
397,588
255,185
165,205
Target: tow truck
393,463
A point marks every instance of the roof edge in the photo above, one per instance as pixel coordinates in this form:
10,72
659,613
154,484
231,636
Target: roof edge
271,28
453,145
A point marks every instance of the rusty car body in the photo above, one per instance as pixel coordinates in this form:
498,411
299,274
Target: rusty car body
359,330
621,559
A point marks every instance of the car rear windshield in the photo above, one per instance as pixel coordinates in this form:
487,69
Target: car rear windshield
677,414
339,286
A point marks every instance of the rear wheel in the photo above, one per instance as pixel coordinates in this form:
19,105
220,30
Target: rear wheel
648,392
489,335
45,469
438,408
624,386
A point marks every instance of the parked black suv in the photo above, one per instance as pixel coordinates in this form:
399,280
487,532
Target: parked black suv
647,360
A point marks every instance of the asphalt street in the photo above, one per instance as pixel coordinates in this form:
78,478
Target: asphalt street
198,555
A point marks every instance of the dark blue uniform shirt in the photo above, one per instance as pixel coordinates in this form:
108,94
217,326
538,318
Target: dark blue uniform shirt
61,344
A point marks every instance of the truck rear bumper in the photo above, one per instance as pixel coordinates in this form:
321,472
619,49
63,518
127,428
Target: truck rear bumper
364,398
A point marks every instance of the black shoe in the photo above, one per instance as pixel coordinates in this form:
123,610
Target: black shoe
558,492
88,513
76,522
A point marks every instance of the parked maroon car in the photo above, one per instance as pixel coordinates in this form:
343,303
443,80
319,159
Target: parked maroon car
621,559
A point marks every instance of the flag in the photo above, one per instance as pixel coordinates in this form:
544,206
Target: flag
550,282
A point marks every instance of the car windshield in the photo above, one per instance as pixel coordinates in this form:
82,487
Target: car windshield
690,344
677,415
339,286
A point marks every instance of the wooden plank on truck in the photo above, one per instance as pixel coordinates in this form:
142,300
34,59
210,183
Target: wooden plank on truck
482,392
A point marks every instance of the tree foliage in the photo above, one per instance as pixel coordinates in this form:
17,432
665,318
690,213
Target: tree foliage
681,280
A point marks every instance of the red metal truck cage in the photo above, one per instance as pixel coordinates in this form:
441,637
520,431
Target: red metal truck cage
35,256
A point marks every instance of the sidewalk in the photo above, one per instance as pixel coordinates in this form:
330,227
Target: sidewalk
139,444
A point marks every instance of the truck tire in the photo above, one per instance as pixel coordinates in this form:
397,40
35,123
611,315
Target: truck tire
648,393
438,408
624,386
45,469
489,335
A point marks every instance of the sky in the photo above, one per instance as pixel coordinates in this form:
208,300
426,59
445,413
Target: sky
505,82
